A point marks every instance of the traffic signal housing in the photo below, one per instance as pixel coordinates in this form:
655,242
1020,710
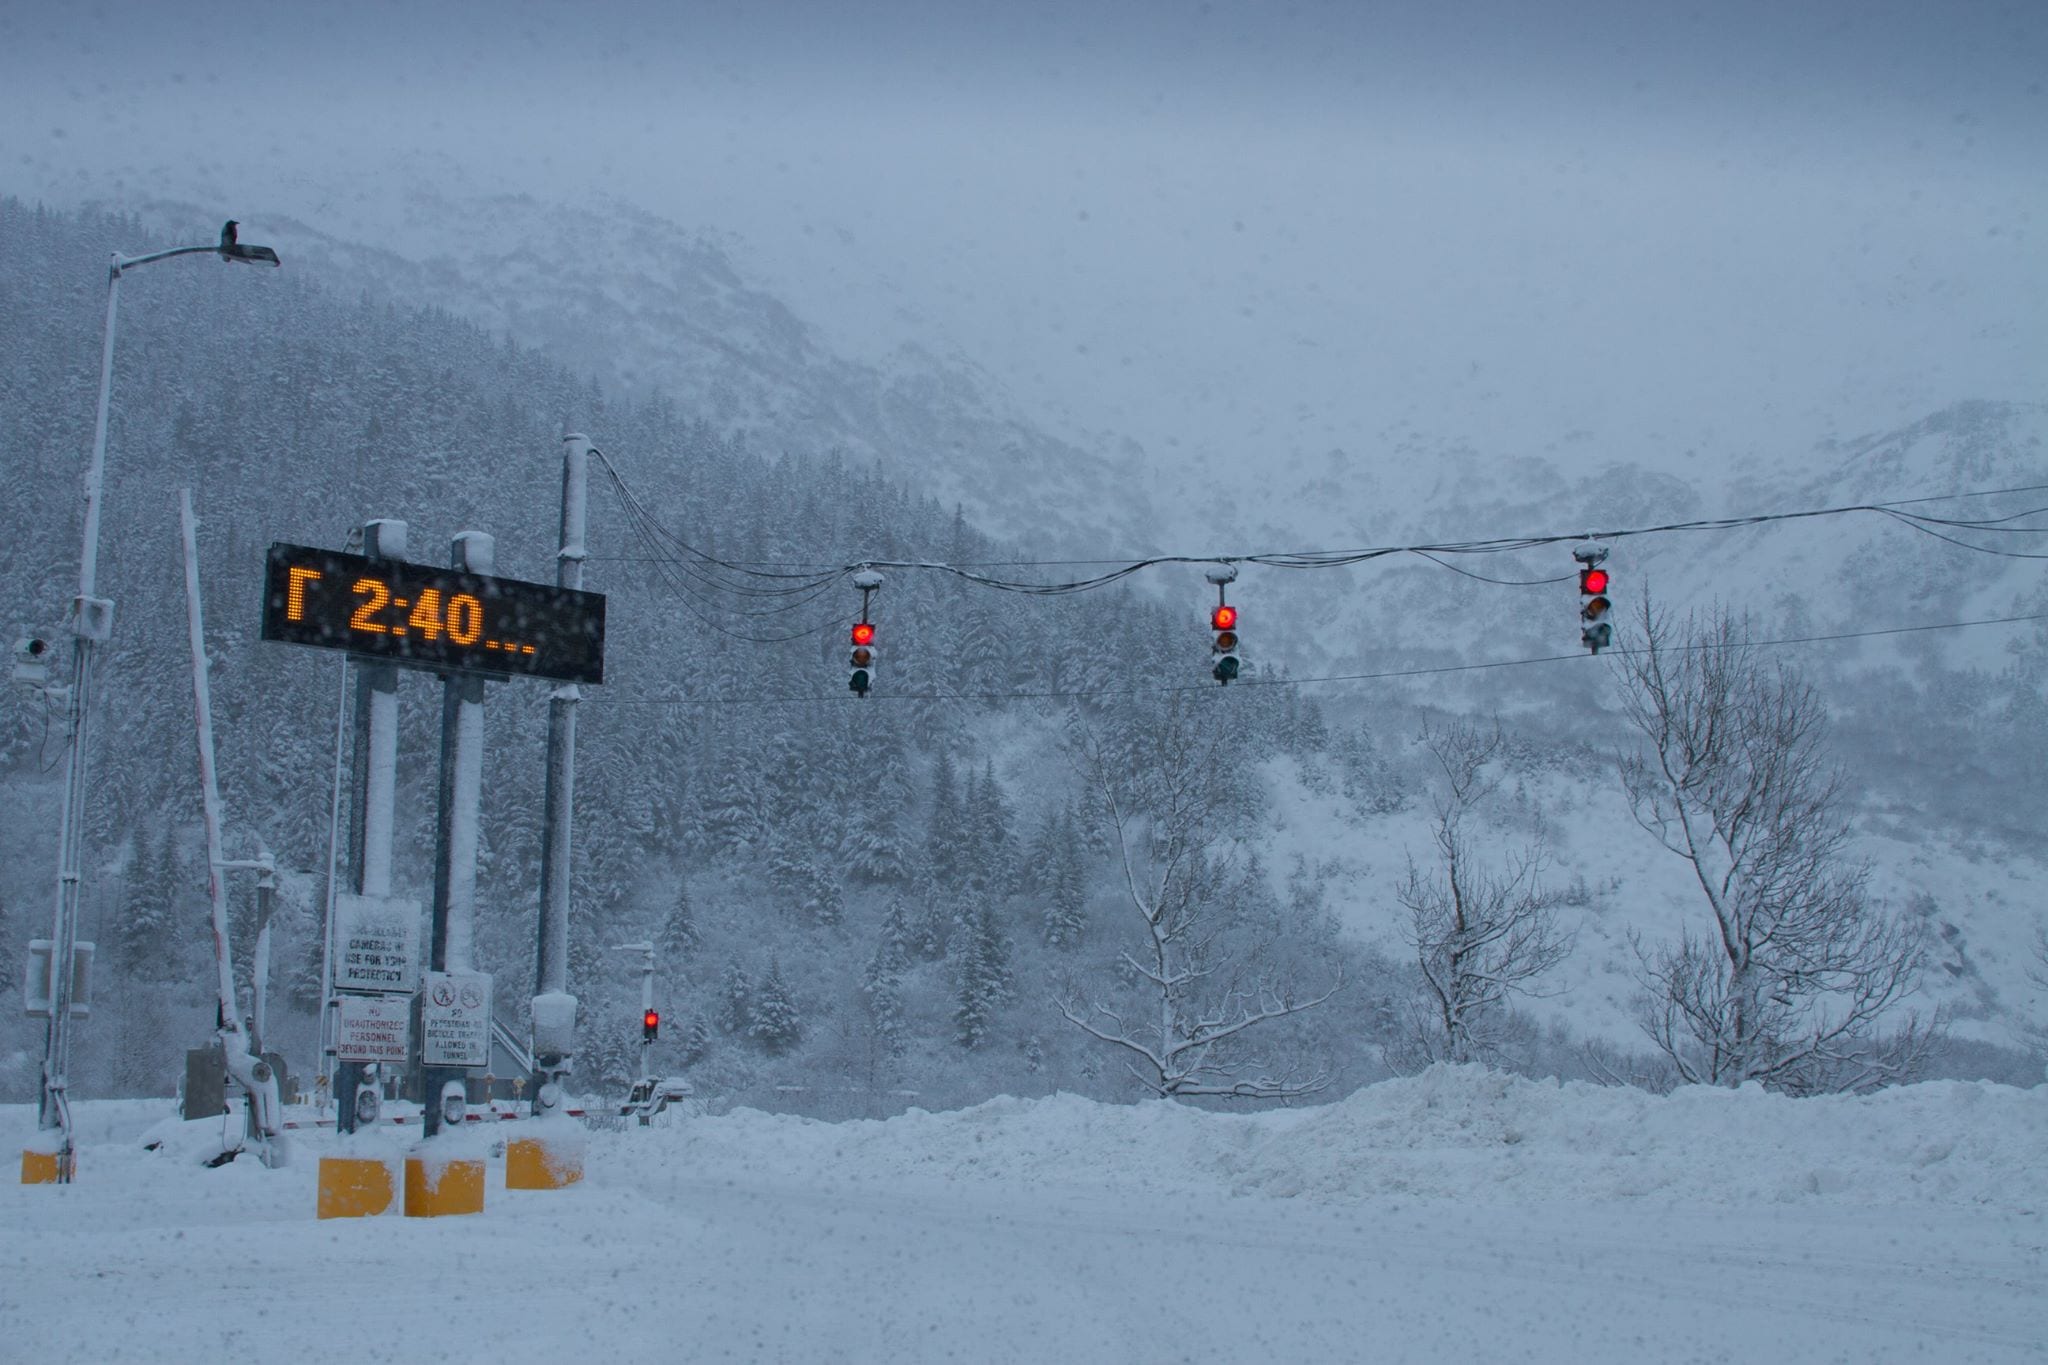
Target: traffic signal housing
650,1026
863,659
1223,621
1596,630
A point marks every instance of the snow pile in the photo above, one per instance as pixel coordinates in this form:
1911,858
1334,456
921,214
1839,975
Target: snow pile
1902,1226
1463,1132
1449,1133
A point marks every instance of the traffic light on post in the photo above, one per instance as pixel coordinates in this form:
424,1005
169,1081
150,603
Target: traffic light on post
1595,605
650,1026
1223,621
863,659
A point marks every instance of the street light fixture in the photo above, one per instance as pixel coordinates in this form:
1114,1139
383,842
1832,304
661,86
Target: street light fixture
92,622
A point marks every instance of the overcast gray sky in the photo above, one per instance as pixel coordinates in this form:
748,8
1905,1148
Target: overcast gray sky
1230,230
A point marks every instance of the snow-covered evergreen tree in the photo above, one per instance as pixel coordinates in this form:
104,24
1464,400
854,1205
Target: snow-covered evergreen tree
984,977
696,1041
875,843
735,1000
945,826
990,863
931,922
1059,881
791,868
676,943
148,945
776,1024
882,993
822,903
894,949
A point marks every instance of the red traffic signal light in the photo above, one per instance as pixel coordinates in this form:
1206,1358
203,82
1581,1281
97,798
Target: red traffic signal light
1594,604
1223,620
863,658
650,1025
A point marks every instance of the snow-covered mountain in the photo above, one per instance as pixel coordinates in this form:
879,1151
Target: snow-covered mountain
646,307
1935,728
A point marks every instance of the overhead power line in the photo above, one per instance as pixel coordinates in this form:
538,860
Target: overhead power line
677,560
1251,681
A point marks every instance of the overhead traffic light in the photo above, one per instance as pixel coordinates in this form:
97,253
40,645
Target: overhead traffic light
650,1026
1223,620
863,659
1595,606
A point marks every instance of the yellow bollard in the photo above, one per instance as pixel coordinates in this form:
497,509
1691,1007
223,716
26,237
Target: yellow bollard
354,1186
437,1185
549,1161
47,1168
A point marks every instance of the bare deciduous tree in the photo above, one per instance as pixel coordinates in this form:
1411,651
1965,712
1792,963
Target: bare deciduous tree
1199,986
1794,978
1480,933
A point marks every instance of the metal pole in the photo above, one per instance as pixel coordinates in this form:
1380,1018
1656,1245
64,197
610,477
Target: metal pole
646,1004
461,794
259,969
95,474
252,1073
91,622
554,1009
375,788
327,1003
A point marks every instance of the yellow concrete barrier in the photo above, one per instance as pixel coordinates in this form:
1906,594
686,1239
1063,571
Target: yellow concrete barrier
436,1185
543,1163
354,1186
46,1168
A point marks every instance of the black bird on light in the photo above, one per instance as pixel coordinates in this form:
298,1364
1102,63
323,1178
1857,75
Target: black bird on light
231,248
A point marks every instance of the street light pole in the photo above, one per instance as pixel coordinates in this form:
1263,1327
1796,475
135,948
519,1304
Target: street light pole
92,622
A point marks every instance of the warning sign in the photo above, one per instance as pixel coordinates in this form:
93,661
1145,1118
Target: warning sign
455,1019
373,1028
376,944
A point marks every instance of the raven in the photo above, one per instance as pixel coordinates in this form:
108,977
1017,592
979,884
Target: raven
227,234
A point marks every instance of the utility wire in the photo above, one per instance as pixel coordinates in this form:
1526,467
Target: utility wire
1431,671
674,570
1322,559
679,564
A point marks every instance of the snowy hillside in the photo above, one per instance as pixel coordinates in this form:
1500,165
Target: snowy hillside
648,308
744,817
1925,723
1596,1225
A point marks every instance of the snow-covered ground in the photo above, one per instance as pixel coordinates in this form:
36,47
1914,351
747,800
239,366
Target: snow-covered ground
1458,1215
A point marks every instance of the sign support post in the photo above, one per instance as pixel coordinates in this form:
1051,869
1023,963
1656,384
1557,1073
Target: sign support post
375,790
554,1009
461,789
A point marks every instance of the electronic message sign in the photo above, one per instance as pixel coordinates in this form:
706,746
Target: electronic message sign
439,619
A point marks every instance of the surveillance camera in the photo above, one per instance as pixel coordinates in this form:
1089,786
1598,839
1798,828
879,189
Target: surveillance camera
32,661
